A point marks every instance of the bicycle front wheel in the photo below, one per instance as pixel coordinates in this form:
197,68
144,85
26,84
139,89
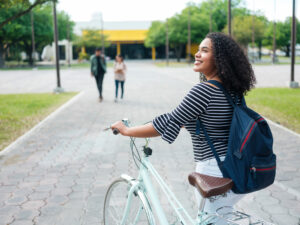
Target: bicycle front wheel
115,202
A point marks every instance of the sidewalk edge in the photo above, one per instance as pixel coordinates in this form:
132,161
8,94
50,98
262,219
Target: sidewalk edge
291,191
51,115
282,127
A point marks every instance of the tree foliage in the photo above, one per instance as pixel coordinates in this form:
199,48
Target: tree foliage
24,7
17,33
283,35
156,35
91,38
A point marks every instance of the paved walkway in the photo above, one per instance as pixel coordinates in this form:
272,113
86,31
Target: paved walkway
59,173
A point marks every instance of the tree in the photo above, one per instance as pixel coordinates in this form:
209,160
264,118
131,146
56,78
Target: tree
91,38
24,7
178,32
17,33
156,35
243,28
283,35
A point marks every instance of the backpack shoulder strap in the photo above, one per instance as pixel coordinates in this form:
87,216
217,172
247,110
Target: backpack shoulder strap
219,85
199,126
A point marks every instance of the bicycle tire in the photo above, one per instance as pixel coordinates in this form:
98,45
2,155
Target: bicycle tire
115,202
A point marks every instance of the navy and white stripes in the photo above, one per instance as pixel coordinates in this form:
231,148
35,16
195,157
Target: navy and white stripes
211,106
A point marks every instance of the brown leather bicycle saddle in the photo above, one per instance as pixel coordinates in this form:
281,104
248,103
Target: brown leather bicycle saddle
209,186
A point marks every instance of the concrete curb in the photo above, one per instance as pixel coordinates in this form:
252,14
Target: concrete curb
37,126
279,184
291,191
282,127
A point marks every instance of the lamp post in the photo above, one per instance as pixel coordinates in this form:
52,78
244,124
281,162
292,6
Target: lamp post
167,44
102,36
58,88
229,17
68,44
274,36
189,35
293,83
253,34
32,38
210,16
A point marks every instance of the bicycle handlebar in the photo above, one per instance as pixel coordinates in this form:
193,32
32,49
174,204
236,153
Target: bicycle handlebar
116,131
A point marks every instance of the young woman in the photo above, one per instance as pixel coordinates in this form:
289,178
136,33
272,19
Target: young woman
120,70
219,58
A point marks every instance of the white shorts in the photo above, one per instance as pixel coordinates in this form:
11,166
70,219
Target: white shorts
210,167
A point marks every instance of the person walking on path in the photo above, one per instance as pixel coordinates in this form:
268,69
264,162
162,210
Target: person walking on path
98,69
219,58
120,71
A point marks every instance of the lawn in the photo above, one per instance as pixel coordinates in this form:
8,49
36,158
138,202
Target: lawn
281,105
13,65
20,112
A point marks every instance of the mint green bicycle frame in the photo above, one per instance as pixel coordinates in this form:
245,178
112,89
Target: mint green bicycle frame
143,184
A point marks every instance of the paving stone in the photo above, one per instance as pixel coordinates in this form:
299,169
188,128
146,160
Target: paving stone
275,209
6,219
44,188
46,220
284,220
61,191
26,214
22,222
33,204
51,209
39,196
9,210
16,200
58,199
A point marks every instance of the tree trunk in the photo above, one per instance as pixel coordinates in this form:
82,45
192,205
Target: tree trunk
287,52
259,50
2,62
178,51
28,50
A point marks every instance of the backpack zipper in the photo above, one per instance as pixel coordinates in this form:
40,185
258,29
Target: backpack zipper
254,170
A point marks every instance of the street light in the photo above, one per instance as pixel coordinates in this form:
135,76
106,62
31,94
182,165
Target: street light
167,43
32,37
274,36
229,17
189,34
293,83
102,36
32,34
58,88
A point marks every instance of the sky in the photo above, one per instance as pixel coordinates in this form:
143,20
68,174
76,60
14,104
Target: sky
149,10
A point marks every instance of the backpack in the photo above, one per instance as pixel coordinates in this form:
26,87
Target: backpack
249,161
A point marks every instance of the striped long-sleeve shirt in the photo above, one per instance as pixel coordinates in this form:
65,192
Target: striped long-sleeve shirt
210,105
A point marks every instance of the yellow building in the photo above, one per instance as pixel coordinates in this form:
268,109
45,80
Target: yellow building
126,38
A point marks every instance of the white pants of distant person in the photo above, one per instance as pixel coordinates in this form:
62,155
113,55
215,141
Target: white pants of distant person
210,167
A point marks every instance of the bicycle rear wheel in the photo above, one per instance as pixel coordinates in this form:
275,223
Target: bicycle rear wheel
115,202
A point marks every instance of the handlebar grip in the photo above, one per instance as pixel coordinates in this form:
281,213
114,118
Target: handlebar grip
116,131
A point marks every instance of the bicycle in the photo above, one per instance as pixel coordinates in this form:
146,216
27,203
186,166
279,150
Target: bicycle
131,201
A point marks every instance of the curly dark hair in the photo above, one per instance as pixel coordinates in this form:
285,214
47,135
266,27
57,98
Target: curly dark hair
233,67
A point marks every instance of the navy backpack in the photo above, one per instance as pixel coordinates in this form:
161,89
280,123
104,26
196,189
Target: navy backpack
249,161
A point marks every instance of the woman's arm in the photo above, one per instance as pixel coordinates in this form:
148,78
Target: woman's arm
143,131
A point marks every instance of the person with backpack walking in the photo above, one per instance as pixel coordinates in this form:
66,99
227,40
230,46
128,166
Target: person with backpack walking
222,61
98,69
120,71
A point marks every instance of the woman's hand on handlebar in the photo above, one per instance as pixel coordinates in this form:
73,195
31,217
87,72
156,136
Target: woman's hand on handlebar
120,127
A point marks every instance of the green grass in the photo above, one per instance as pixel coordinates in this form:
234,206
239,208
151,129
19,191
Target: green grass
281,105
20,112
24,66
173,64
